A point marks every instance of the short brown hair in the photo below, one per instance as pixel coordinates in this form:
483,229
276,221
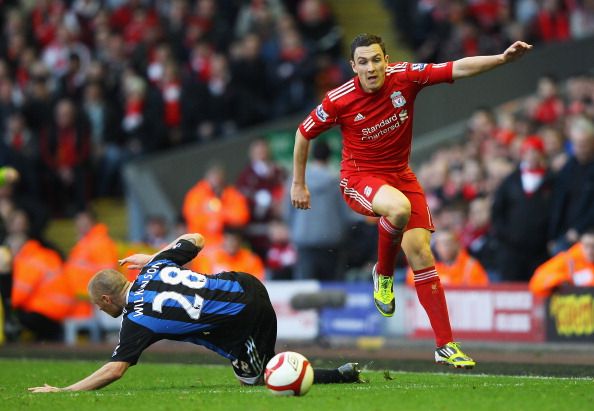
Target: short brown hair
364,40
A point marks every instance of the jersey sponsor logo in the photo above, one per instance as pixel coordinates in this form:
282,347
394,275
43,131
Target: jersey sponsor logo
418,66
398,99
321,114
403,115
385,126
359,117
440,65
367,191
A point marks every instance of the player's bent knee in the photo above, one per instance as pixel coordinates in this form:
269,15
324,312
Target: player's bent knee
399,213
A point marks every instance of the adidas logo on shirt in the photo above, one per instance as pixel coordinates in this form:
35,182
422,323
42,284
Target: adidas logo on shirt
359,117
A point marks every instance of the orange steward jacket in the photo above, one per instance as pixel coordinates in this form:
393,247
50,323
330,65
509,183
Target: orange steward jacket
218,260
465,270
94,251
568,267
207,214
39,284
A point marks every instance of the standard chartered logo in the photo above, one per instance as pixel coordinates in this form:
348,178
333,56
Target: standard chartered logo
385,126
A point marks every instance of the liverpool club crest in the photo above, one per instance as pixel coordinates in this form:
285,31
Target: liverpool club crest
398,99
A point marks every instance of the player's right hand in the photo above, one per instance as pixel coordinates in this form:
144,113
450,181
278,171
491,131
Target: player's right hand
136,261
45,388
300,196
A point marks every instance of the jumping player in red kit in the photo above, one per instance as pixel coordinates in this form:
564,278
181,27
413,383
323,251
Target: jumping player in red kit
375,111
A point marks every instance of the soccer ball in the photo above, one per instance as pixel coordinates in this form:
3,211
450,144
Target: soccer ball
288,373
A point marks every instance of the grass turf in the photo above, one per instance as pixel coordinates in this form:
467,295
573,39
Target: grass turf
198,387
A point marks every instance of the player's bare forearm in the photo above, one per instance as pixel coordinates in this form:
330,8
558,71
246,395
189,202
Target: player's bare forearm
110,372
471,66
299,191
137,261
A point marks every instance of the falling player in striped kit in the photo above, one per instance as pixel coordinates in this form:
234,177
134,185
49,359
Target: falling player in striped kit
375,111
229,313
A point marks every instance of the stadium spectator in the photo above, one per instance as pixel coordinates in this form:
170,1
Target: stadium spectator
554,146
520,213
552,21
40,294
320,235
456,267
574,267
107,153
581,19
377,141
243,329
157,232
293,73
573,191
282,256
251,81
65,150
231,255
548,106
94,250
318,25
142,122
262,184
210,205
478,239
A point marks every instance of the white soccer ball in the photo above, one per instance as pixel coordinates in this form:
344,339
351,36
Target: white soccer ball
288,373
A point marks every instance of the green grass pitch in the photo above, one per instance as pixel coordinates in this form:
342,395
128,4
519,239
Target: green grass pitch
151,386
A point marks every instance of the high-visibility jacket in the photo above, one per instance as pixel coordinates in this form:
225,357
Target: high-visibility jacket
39,284
95,251
219,260
465,270
208,214
568,267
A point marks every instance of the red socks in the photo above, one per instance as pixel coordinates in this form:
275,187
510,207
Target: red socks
432,298
388,246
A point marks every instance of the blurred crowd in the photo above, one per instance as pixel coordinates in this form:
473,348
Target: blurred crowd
87,85
441,30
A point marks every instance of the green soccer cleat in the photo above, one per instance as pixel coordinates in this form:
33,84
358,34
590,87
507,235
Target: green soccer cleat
383,293
451,354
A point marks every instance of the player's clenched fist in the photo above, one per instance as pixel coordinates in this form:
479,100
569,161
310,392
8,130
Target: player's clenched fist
300,196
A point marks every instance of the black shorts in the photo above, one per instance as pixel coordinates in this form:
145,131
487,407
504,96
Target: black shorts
258,348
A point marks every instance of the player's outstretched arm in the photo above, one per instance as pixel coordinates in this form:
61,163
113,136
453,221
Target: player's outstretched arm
299,191
137,261
471,66
105,375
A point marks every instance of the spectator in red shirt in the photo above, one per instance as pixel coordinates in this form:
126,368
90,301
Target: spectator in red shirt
65,148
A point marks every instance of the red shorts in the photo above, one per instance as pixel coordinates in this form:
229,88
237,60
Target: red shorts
358,190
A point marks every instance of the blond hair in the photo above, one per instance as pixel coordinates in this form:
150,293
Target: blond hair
107,282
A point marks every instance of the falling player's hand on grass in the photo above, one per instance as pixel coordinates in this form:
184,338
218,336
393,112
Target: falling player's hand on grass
45,388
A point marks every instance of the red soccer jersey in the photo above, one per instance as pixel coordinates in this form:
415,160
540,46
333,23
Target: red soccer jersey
376,127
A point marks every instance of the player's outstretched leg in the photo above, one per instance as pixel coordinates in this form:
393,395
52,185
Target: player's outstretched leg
451,354
346,373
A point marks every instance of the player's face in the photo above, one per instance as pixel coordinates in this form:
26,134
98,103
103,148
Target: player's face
107,305
370,65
